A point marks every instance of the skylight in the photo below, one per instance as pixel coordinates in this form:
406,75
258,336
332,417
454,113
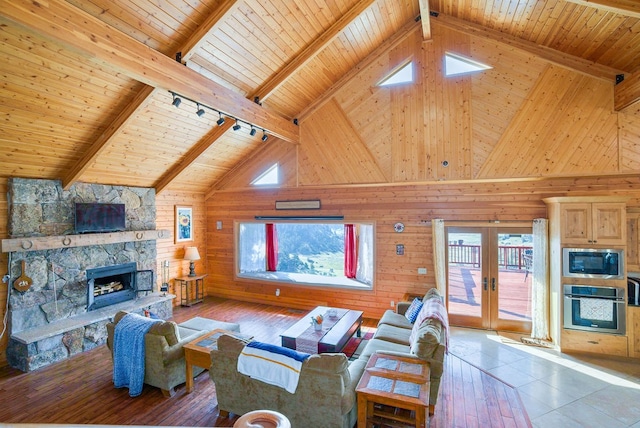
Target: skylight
456,64
270,176
402,75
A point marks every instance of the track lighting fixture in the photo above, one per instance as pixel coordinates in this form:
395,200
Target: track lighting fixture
176,100
200,111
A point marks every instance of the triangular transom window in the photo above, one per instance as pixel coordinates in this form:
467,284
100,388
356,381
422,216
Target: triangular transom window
270,176
404,74
456,64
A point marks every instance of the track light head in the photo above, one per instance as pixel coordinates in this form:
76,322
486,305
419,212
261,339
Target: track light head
176,101
220,121
253,131
265,137
236,126
200,111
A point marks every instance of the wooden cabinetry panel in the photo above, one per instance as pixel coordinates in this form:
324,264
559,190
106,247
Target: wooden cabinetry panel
633,242
633,330
576,223
597,343
593,223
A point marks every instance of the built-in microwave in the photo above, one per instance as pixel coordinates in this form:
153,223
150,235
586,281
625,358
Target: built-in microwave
593,263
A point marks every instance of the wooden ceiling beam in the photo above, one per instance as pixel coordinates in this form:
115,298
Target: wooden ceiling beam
621,7
627,92
554,56
140,101
193,154
77,30
310,52
425,17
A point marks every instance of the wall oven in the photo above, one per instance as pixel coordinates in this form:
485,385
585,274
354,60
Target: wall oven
594,308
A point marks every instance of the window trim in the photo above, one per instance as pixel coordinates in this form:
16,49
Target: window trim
341,282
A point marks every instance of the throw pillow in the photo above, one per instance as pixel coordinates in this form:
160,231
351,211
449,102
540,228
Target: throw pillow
413,310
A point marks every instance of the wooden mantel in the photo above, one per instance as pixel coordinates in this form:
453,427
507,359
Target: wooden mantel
37,243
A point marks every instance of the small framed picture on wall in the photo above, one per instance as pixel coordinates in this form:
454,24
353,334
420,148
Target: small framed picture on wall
184,223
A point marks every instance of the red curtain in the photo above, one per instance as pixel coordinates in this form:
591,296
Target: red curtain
272,247
350,251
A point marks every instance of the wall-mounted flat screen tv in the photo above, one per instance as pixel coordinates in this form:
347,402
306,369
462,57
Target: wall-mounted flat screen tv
96,218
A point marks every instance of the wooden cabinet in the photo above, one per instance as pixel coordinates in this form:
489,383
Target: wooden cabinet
597,343
593,223
633,241
633,330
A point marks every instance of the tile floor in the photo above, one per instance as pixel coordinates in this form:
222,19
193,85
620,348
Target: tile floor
558,390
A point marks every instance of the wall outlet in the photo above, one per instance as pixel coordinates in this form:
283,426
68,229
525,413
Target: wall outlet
277,292
422,271
393,304
219,225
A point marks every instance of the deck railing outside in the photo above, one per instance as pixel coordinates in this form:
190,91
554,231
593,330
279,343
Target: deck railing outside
509,257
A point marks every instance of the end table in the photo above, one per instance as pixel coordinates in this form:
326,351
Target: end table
185,284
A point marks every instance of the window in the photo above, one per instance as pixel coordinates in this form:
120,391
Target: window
270,176
310,253
456,64
403,74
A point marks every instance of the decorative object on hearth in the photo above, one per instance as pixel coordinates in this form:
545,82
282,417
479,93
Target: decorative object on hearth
23,282
191,254
165,277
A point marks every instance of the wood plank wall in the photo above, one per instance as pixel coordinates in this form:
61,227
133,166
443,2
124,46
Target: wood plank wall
414,205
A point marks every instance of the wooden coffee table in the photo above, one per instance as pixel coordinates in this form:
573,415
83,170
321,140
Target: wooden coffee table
198,351
393,389
335,339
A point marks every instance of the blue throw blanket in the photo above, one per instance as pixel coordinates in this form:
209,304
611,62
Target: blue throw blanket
128,352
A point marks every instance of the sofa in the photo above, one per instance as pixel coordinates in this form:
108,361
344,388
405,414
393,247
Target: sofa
165,365
325,396
393,336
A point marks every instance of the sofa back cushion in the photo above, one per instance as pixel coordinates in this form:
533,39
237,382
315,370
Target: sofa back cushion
427,339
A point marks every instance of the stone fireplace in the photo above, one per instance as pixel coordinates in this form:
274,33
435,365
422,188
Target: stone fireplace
62,314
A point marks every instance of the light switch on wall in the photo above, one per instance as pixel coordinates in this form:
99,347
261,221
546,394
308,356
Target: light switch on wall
218,225
422,271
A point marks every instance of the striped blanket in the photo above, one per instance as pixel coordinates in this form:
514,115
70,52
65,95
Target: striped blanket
272,364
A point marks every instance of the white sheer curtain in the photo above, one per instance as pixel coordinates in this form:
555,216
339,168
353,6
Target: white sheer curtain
540,283
439,248
364,268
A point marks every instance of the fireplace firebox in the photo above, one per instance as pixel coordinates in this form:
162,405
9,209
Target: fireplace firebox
110,285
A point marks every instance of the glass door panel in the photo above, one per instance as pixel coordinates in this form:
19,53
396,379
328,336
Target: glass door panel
465,281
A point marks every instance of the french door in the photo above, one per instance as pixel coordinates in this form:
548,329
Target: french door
489,277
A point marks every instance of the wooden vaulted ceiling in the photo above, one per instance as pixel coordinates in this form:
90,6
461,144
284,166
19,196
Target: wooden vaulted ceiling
86,83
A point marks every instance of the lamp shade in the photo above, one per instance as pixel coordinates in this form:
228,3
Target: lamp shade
191,253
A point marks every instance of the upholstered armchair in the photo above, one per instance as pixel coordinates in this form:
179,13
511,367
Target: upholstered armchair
164,353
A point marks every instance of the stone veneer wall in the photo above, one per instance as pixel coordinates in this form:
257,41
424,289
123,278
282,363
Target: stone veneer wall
59,290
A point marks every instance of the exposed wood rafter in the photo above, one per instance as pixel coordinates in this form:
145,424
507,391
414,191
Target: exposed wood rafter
264,91
621,7
627,92
76,29
425,17
139,102
202,145
556,57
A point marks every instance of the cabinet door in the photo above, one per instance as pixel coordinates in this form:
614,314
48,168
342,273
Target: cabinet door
576,223
609,224
633,242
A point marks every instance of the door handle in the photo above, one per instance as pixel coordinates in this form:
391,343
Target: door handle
484,283
493,284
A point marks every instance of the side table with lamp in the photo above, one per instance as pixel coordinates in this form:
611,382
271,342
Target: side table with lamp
186,282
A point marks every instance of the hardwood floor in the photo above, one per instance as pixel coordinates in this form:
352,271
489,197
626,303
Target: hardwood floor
80,390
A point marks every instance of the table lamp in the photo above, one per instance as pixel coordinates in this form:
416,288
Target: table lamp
191,254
